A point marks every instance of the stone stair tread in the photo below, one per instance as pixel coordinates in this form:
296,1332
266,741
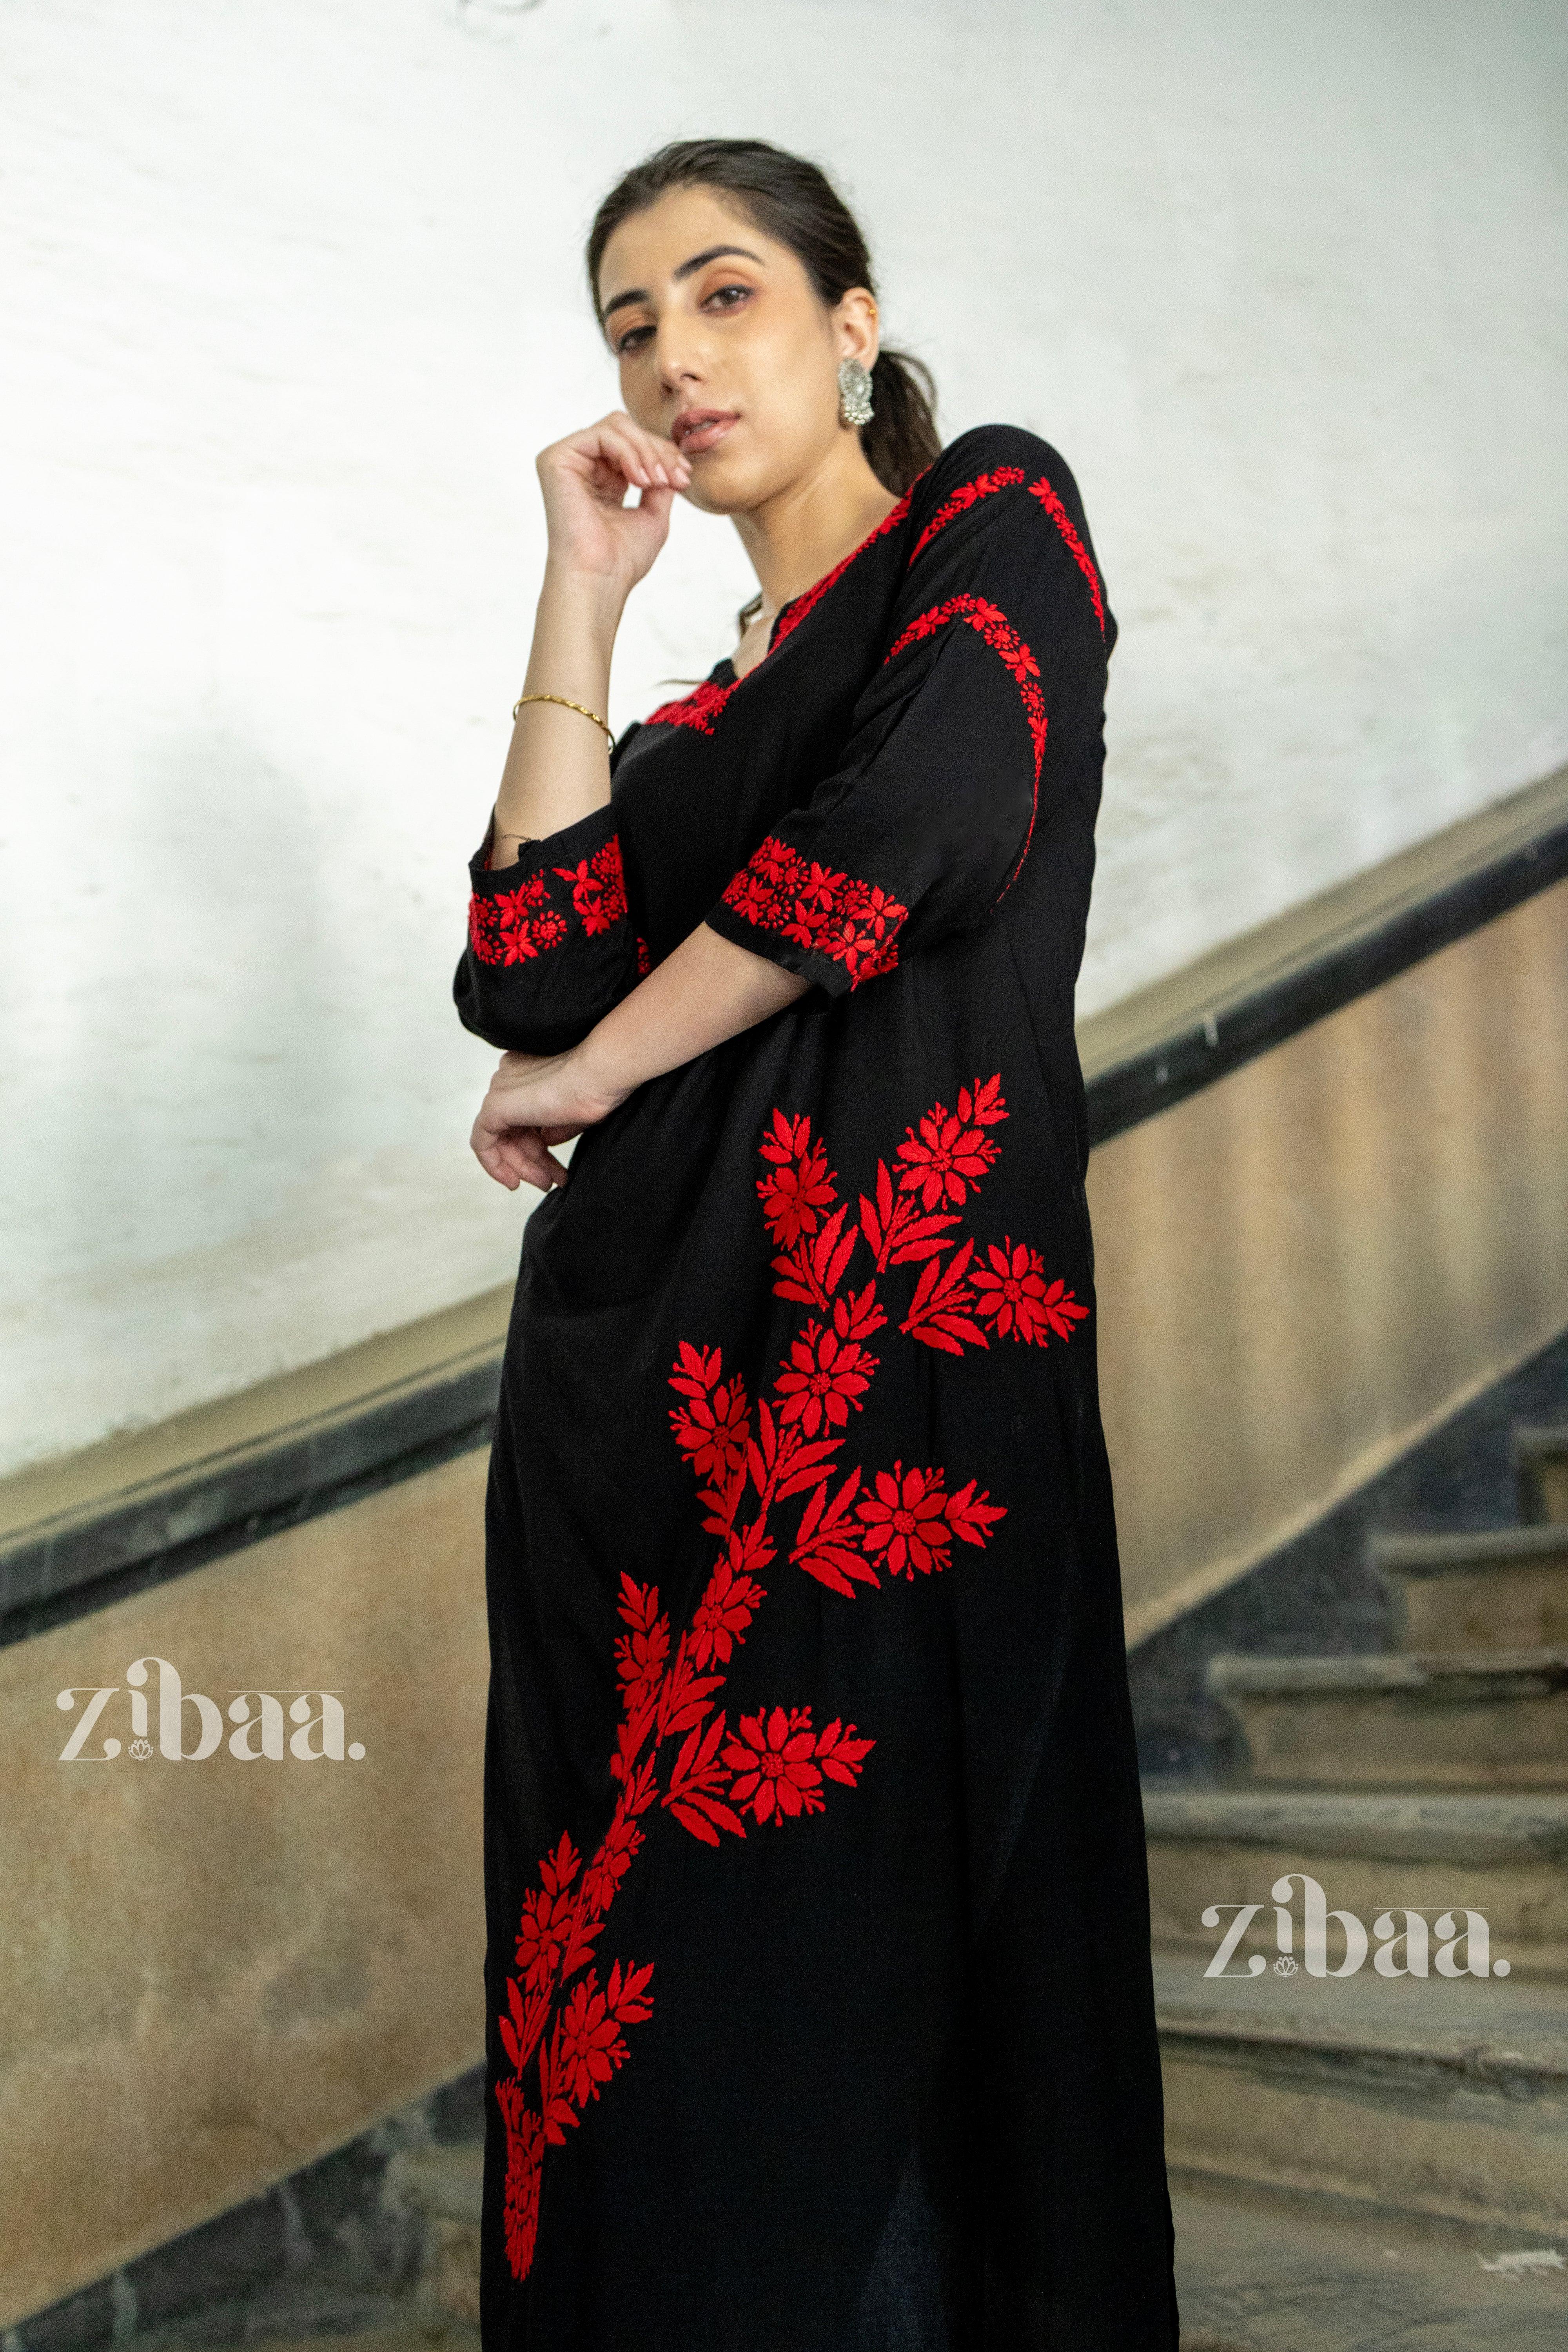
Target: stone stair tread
1497,2028
1375,1670
1470,1826
1415,1553
1540,1437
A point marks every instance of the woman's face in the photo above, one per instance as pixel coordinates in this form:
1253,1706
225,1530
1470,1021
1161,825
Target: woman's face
725,347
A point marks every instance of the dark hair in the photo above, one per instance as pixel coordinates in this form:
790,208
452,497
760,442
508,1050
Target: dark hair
797,202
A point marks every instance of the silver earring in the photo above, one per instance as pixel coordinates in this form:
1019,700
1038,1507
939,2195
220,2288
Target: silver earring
854,393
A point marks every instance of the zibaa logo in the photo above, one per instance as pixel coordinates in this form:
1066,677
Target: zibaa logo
258,1715
1414,1935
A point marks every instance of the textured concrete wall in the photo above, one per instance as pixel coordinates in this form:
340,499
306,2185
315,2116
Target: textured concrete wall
292,298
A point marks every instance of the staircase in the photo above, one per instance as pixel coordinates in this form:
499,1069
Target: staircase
1430,1778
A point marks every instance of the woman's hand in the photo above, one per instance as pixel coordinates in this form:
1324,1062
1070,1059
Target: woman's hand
585,478
536,1100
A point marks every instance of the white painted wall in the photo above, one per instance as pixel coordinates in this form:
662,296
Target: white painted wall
291,296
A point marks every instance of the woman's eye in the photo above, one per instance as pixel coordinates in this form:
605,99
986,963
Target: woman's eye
720,292
632,341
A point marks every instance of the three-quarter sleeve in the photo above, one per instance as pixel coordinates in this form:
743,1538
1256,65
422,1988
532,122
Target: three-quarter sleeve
552,945
999,629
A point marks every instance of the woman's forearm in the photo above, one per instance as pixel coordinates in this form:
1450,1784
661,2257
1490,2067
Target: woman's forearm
557,767
705,990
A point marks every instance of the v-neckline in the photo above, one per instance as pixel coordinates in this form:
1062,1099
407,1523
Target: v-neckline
813,594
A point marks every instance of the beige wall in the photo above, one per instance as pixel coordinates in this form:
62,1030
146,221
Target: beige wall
212,1973
1305,1265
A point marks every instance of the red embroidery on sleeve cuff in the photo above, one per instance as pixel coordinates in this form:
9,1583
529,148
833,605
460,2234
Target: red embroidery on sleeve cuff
854,922
515,926
1076,548
968,494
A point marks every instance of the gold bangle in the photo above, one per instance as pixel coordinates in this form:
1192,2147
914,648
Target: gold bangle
566,704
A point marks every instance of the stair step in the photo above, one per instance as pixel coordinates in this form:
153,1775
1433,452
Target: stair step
441,2186
1503,1588
1439,2096
1540,1467
1502,1853
1474,1719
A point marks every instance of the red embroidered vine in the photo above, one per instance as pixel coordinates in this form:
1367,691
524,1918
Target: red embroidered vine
753,1457
968,494
854,922
1003,640
1076,548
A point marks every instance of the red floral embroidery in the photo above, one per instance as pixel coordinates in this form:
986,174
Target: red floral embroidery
515,926
968,494
1012,1294
698,708
854,922
779,1762
598,887
1079,554
754,1456
645,956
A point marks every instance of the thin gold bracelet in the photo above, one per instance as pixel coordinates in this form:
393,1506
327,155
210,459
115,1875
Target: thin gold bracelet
566,704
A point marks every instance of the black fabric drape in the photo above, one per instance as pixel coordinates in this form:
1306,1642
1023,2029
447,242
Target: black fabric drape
818,1975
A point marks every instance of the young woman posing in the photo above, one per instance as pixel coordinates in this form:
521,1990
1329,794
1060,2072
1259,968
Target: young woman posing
821,2013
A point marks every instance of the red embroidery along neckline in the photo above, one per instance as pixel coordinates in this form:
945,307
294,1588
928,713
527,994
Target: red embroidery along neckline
898,1523
702,704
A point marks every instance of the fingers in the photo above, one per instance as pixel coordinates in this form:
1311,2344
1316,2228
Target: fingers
518,1155
646,460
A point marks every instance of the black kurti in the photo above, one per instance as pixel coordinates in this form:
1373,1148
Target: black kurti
821,2011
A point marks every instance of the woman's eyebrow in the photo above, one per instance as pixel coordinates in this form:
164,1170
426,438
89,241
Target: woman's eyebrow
697,261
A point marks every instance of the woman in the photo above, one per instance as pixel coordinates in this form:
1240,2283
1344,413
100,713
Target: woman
819,1987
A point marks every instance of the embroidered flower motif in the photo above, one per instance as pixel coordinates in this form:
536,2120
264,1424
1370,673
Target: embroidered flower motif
711,1427
725,1612
598,887
853,921
825,1377
799,1187
906,1521
968,494
779,1764
1012,1294
645,957
1076,548
945,1161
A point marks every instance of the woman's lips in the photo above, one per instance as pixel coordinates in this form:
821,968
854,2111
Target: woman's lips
696,429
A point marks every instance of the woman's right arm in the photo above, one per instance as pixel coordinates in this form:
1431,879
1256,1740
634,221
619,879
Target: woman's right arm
557,767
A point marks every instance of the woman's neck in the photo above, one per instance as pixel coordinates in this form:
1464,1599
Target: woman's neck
805,530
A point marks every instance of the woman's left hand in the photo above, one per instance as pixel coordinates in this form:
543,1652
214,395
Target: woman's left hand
536,1100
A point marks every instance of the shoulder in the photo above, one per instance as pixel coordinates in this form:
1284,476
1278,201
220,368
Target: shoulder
998,514
993,478
1007,454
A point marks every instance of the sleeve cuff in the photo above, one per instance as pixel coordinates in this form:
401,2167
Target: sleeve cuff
834,928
